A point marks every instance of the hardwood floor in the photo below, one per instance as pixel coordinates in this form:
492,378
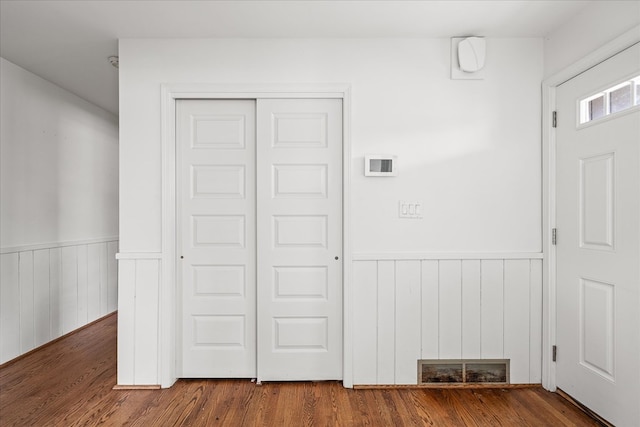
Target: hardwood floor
69,383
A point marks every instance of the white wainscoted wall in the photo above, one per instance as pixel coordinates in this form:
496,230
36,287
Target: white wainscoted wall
58,211
410,307
469,156
405,307
50,290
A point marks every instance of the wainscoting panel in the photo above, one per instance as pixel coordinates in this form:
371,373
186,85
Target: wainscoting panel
470,309
430,310
9,307
386,304
492,309
366,314
138,319
450,309
47,291
407,309
445,309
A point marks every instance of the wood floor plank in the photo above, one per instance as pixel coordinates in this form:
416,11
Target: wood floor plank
69,383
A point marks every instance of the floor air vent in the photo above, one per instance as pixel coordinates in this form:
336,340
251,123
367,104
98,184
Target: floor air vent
450,371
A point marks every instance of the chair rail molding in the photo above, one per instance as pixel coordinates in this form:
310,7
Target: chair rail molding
378,256
51,245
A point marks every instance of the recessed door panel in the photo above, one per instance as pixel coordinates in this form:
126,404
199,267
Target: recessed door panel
597,208
305,334
219,280
219,331
218,131
597,332
218,181
219,230
299,130
300,282
300,231
304,181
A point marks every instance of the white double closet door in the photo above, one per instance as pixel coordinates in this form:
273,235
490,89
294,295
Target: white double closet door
259,186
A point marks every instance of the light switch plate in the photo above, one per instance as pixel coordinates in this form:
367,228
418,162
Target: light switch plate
411,210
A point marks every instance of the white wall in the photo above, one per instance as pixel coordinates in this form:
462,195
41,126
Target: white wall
598,23
59,211
59,164
468,150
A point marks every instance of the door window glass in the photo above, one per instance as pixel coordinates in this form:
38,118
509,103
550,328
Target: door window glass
613,100
621,98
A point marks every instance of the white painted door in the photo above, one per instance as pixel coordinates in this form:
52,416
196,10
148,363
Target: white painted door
274,251
299,239
598,249
216,229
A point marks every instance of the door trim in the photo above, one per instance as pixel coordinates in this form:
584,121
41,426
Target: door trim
167,310
549,85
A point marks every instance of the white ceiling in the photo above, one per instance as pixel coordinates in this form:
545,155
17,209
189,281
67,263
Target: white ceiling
68,42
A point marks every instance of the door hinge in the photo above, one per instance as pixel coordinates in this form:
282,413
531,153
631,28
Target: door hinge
554,119
554,353
554,236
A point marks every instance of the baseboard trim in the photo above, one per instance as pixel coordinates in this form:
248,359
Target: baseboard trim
136,387
55,340
440,386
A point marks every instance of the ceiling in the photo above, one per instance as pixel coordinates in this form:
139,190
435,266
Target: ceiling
68,42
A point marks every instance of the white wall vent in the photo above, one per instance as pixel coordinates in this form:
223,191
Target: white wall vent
460,371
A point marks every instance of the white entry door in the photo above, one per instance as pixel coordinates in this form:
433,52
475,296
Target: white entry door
216,233
299,239
260,238
598,246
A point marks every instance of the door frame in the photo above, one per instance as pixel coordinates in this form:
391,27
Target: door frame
167,310
549,86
